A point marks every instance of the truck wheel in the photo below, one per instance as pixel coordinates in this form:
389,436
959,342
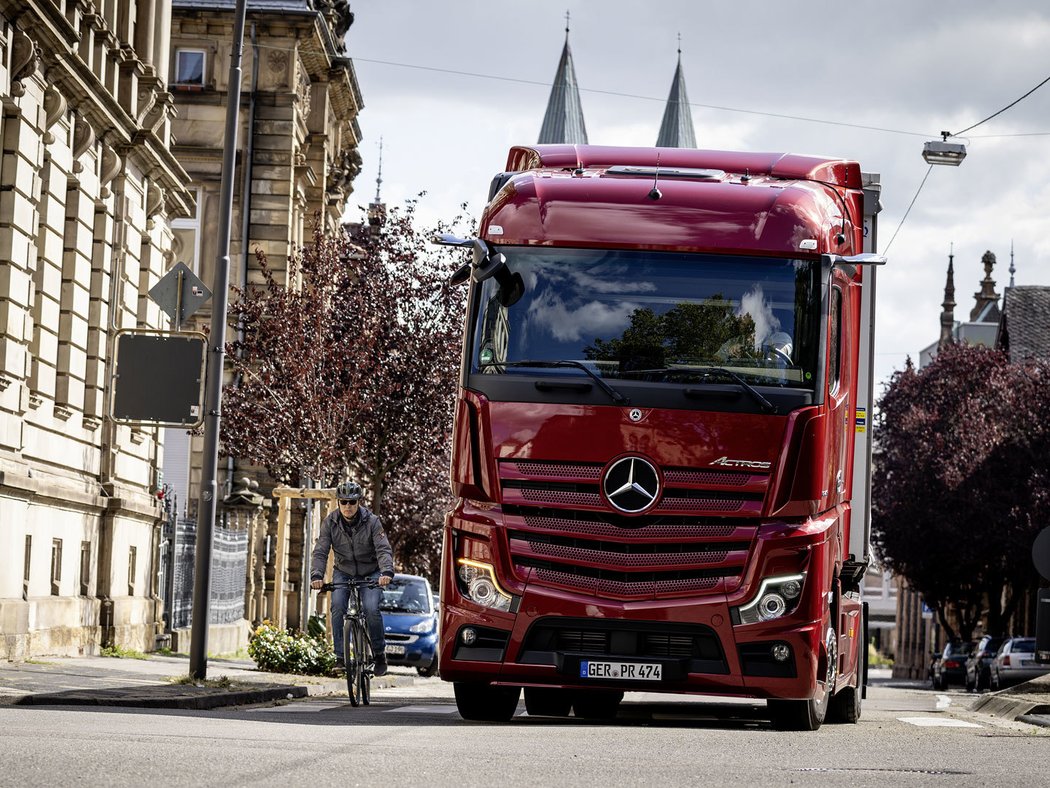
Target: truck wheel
599,705
484,702
845,704
545,702
799,715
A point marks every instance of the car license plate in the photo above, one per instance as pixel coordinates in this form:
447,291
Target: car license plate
396,650
638,671
1029,663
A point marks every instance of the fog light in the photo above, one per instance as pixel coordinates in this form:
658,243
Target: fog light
791,589
781,652
468,635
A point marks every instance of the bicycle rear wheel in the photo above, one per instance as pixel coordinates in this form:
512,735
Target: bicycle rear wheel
352,659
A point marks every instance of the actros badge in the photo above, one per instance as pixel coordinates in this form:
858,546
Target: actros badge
631,484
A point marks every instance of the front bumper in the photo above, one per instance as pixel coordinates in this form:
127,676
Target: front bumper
693,641
419,650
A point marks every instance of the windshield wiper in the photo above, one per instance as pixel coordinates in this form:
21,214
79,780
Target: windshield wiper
705,372
614,395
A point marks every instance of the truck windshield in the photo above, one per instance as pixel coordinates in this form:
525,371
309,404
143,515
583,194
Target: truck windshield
670,317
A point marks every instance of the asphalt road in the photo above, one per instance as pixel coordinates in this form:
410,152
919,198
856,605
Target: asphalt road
412,736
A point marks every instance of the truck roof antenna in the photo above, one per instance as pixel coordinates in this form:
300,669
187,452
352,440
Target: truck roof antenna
655,193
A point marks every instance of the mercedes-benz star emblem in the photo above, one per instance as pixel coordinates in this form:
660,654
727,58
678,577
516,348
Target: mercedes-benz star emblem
631,484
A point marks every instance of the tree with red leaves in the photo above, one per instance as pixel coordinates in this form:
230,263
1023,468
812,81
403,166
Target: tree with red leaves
351,371
959,489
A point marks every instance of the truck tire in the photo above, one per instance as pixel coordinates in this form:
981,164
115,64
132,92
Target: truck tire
597,705
547,702
485,703
845,704
798,715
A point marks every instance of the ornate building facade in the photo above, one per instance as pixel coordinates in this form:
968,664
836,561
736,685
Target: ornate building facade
297,157
88,191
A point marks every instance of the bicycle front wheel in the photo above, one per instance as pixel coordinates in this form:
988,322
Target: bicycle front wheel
365,650
352,660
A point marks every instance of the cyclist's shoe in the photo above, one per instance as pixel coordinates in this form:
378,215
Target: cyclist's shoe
380,668
339,669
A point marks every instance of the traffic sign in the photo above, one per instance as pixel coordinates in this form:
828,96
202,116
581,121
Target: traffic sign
180,293
159,378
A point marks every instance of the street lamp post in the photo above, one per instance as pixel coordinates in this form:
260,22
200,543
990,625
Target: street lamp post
217,337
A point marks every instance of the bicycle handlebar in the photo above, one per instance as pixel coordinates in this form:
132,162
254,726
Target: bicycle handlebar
359,583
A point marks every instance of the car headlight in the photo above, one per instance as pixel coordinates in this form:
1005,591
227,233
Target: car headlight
478,583
776,597
421,627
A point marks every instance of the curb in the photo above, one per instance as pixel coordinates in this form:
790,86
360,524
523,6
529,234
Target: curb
154,699
1009,707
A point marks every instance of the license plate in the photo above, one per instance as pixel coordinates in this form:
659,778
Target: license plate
1029,663
399,650
637,671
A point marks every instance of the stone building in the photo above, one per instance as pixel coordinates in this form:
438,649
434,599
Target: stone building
88,190
297,157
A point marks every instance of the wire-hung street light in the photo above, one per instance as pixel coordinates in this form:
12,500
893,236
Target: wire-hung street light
944,152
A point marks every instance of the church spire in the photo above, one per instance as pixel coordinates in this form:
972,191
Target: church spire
948,315
563,121
676,128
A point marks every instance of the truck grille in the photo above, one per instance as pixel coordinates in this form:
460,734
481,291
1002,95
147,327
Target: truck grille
694,541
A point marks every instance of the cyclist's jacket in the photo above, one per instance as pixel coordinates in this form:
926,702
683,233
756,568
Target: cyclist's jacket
360,546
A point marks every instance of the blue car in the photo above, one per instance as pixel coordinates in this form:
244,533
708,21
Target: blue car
410,622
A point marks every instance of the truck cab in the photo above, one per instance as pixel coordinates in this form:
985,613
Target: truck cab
663,374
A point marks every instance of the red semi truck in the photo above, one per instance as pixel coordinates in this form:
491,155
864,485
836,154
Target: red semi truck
661,445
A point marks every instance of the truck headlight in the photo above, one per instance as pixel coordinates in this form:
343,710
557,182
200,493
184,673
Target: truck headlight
777,596
479,585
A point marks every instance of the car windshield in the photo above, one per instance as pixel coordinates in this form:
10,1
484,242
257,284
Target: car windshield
652,316
405,595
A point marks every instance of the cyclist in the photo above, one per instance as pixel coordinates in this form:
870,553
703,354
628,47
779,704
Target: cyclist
362,552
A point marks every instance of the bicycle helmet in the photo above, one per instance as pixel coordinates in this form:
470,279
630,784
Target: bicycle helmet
349,490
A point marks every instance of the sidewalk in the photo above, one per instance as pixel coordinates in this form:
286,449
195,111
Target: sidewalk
155,683
1028,702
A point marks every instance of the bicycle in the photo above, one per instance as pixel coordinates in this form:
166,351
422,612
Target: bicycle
357,645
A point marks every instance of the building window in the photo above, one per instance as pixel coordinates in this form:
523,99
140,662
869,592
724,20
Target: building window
189,67
56,566
85,568
187,236
25,568
132,556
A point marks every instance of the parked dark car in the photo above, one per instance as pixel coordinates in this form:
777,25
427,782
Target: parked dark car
950,667
979,663
410,622
1015,662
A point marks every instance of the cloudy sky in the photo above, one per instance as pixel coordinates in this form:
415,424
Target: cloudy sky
450,85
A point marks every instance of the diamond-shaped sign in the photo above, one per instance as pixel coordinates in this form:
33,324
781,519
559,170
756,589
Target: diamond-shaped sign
180,293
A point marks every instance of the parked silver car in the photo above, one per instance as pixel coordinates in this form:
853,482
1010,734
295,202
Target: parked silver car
1015,662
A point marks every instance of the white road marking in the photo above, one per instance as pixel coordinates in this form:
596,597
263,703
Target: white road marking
435,709
943,702
939,722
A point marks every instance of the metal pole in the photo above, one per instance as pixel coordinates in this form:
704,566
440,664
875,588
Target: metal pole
217,338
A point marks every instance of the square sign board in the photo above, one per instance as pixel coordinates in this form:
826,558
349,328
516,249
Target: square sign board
159,378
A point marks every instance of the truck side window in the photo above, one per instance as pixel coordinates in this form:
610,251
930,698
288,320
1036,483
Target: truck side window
835,339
